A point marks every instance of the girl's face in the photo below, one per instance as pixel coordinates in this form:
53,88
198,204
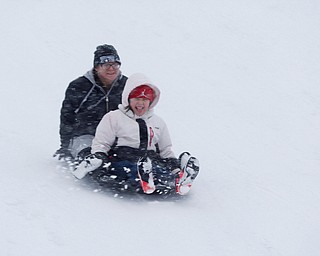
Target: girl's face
139,105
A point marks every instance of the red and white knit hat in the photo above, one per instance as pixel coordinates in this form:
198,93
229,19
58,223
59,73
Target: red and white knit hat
142,91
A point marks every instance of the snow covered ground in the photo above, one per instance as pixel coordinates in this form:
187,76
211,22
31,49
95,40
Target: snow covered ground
240,90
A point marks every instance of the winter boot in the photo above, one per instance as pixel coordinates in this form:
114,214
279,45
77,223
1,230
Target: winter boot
89,164
189,171
144,167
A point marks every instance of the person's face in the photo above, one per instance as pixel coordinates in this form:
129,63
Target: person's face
108,71
139,105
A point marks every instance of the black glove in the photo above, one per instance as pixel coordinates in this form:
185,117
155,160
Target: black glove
102,156
63,154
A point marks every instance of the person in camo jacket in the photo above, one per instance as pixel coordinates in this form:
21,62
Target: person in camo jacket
87,99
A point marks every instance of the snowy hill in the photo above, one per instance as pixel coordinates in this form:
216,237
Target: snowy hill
240,90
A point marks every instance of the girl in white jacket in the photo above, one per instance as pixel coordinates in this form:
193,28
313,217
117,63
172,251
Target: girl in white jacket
133,144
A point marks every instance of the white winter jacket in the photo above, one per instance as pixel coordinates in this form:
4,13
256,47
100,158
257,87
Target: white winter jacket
121,124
